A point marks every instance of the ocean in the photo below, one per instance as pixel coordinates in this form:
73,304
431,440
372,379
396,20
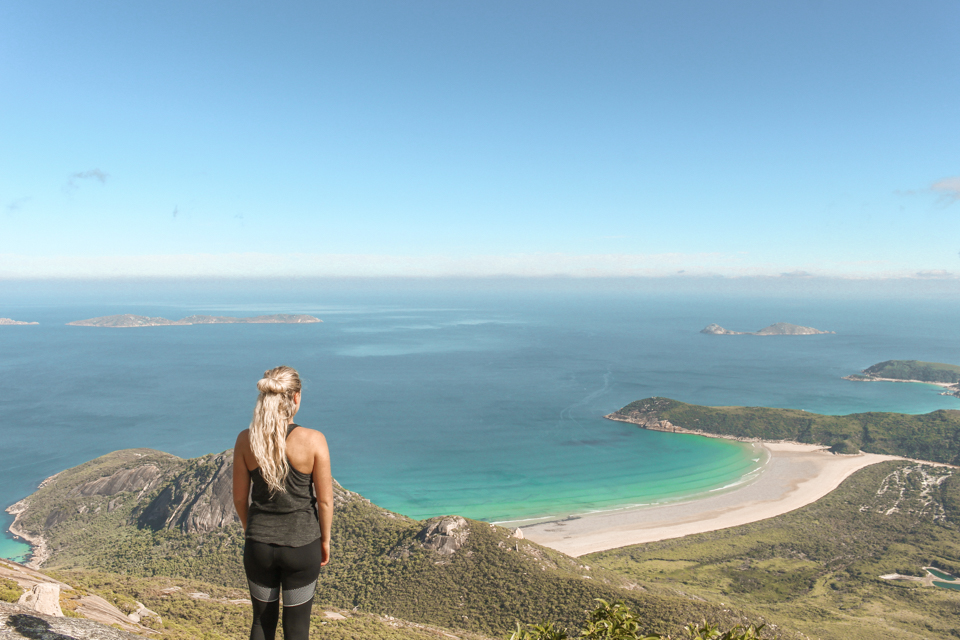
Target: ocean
480,401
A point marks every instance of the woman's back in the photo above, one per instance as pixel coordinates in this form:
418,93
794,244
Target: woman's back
283,493
288,518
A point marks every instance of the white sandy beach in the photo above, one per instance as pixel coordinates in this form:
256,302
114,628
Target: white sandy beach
794,476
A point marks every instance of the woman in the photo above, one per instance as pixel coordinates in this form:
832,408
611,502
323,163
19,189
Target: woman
287,523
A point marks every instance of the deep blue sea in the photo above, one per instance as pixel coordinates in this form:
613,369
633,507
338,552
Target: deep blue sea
477,401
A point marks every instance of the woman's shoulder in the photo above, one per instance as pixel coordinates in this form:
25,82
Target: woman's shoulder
306,435
243,440
307,441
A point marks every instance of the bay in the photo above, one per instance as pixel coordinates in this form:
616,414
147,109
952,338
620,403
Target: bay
482,401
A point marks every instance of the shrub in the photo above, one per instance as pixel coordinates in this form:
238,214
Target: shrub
617,622
10,591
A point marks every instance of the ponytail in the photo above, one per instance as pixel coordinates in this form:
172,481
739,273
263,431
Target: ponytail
268,429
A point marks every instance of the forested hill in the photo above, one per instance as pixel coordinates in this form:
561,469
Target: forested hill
933,436
914,370
145,513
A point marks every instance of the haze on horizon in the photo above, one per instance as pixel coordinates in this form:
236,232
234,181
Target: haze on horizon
472,139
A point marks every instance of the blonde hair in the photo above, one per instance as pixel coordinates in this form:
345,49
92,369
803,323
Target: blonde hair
268,429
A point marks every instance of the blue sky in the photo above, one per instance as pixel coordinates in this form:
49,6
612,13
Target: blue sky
480,138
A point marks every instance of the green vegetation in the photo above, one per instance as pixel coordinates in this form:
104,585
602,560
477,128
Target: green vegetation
10,591
191,609
915,370
933,436
817,569
380,561
617,622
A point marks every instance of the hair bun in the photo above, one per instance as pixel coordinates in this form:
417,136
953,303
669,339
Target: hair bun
270,385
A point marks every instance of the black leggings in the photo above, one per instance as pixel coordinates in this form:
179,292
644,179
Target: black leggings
294,570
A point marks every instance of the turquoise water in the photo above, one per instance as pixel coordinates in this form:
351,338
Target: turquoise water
940,574
486,403
947,585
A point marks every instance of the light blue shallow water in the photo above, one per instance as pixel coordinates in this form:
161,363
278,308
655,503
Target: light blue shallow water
488,404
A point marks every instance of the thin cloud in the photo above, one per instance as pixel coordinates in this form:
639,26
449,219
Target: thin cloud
176,210
17,204
948,188
92,174
934,273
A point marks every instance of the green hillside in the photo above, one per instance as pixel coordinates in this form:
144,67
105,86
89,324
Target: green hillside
933,436
146,514
817,569
915,370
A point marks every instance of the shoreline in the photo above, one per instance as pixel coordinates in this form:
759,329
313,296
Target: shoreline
38,553
795,475
744,480
950,388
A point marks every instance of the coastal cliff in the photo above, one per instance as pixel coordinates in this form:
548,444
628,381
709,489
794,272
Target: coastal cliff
126,320
776,329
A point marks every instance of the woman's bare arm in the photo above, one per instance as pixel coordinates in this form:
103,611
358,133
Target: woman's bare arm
323,484
241,478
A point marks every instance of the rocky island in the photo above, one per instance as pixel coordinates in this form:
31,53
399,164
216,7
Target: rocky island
8,321
776,329
125,320
937,373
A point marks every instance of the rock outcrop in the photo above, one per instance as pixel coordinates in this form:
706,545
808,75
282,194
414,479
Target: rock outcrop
10,321
43,598
137,479
19,623
445,535
199,499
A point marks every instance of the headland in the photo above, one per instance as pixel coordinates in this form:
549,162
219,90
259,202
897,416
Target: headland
10,321
936,373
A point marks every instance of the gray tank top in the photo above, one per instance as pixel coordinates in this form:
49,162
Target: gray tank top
288,519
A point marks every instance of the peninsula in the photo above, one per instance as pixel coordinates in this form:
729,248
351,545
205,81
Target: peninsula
9,321
126,320
936,373
932,436
776,329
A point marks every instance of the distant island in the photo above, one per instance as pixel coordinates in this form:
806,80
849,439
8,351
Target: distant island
938,373
125,320
776,329
4,321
